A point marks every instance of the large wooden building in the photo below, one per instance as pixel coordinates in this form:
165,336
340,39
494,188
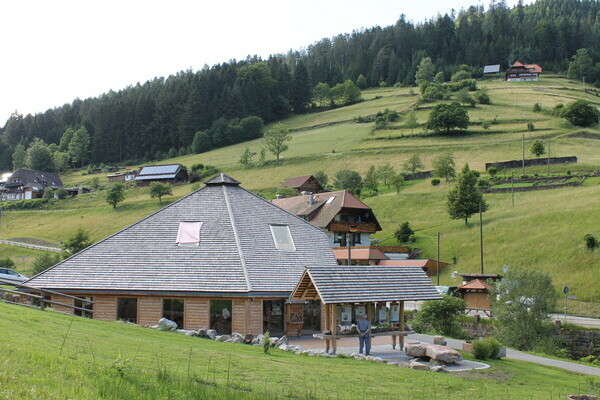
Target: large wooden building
25,184
220,258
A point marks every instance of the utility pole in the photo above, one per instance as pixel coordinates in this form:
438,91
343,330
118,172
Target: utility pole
481,235
437,261
512,190
348,244
523,151
548,156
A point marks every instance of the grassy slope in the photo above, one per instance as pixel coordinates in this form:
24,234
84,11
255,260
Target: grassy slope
544,230
78,359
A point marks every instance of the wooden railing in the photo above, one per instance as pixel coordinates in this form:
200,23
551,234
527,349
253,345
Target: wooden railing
30,296
339,226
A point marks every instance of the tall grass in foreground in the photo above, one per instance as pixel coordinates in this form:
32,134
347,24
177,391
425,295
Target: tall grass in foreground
108,360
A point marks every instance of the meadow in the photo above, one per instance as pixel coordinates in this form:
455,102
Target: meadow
46,355
544,230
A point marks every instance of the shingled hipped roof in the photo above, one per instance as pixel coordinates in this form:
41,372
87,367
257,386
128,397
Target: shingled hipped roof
236,252
365,284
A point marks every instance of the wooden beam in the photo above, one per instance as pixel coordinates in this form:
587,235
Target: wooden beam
401,338
327,326
333,327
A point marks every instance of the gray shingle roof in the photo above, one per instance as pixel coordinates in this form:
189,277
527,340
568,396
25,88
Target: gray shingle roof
236,253
371,283
37,180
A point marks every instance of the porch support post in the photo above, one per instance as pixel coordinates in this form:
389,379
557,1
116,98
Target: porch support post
327,326
402,325
333,327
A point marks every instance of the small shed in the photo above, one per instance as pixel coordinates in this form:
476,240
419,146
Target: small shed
306,183
491,69
476,294
352,290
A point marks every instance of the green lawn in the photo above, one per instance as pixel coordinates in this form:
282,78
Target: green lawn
46,355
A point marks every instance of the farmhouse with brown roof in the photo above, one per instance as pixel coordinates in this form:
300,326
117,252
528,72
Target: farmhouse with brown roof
306,183
337,213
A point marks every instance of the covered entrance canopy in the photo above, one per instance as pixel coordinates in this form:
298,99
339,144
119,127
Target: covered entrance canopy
367,285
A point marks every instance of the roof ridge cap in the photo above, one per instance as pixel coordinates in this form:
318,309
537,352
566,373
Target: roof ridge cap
237,238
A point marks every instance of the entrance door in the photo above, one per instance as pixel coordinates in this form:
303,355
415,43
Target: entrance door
273,317
312,316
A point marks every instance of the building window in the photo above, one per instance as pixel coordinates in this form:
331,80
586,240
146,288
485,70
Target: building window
220,316
340,238
282,237
87,303
188,234
173,310
127,309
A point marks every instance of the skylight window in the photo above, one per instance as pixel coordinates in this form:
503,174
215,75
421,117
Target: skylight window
189,233
282,237
329,200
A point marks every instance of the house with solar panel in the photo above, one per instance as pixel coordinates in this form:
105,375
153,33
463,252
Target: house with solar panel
221,258
173,174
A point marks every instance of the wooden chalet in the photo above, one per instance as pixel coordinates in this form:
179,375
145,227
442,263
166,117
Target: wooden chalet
338,213
308,184
24,184
173,174
523,72
375,291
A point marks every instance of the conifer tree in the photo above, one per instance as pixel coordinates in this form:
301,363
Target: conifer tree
464,198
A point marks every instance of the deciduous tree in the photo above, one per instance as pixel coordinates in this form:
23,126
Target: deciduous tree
116,194
79,146
444,166
78,241
346,179
448,116
537,148
464,198
160,189
413,164
276,138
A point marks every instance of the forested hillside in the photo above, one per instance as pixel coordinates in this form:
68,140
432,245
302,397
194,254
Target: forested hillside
163,116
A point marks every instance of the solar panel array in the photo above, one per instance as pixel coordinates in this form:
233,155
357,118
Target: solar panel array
159,170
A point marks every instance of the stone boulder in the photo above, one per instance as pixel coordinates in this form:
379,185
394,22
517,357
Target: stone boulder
257,341
436,352
438,368
248,339
439,340
222,338
187,332
202,332
165,324
211,334
418,365
415,349
444,354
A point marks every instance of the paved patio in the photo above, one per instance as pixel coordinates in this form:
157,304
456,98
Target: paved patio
380,347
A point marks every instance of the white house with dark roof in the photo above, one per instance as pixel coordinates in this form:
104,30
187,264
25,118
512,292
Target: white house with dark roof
25,184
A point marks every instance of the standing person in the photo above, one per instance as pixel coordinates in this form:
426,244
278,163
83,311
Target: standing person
364,334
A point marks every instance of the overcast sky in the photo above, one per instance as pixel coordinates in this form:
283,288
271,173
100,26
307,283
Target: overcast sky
55,51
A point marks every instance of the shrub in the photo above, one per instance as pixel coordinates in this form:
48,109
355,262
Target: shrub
43,262
482,97
537,107
61,194
441,317
591,242
581,113
483,183
552,346
435,181
487,348
7,263
493,171
404,232
266,342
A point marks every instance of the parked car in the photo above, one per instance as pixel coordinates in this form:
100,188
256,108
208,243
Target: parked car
449,290
12,276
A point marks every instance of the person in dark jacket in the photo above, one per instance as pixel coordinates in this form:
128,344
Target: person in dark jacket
364,335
